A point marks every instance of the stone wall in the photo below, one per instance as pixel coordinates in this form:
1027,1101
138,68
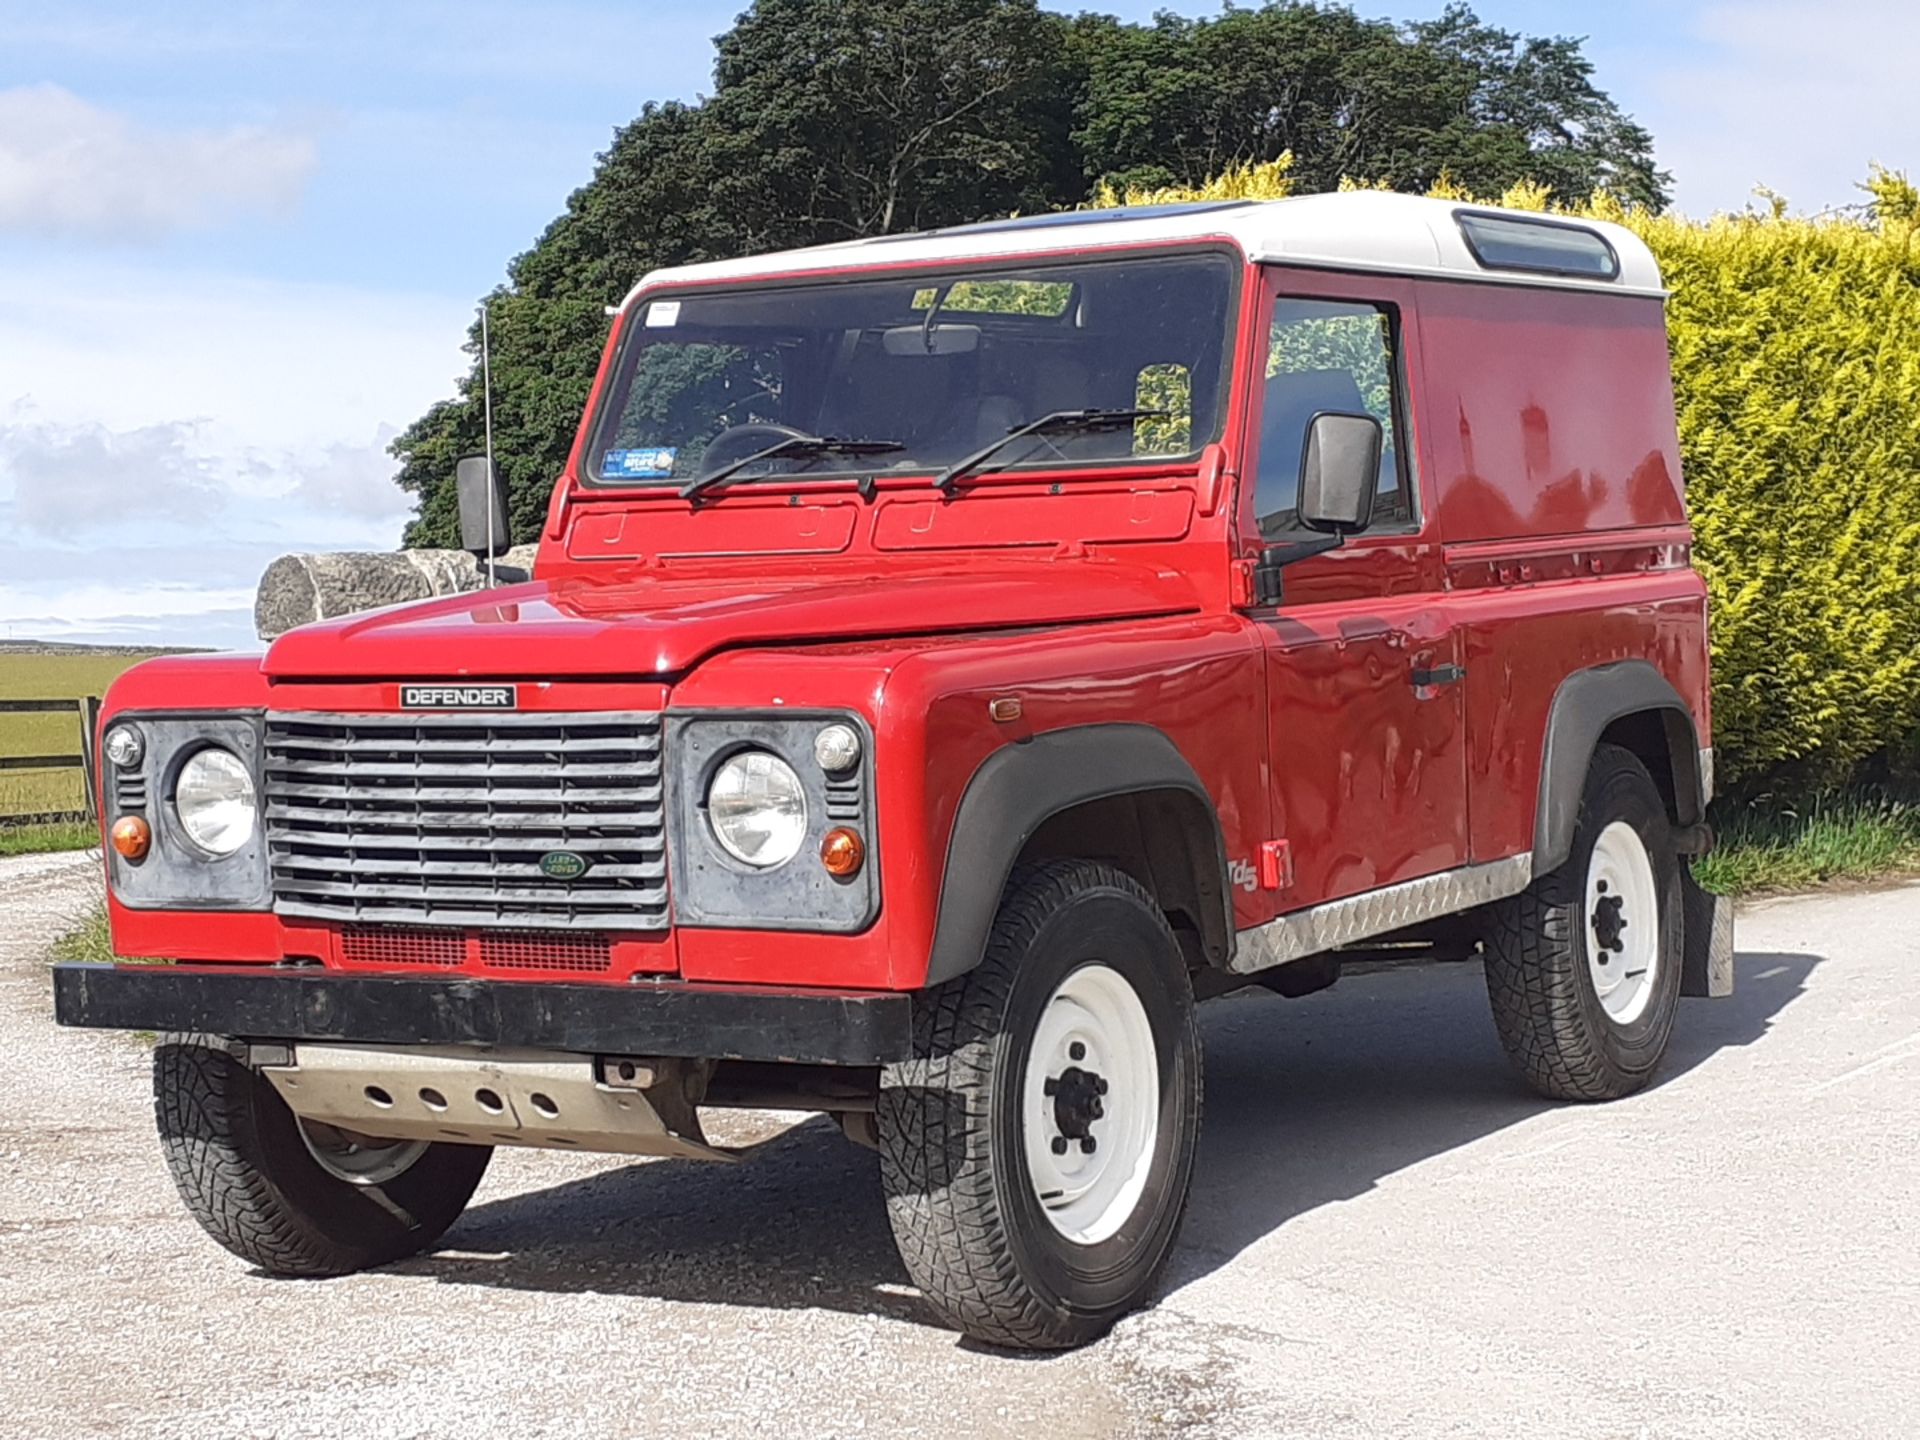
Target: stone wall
300,589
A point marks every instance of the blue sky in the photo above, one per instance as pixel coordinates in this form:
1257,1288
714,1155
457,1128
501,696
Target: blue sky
239,242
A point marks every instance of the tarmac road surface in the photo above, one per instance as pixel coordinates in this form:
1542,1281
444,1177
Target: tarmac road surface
1388,1238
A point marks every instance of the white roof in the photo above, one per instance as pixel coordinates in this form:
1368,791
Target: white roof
1370,230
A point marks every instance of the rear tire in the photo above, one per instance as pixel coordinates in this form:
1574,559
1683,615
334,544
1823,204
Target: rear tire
1583,967
1038,1149
253,1180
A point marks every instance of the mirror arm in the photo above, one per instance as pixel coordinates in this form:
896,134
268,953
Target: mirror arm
1275,558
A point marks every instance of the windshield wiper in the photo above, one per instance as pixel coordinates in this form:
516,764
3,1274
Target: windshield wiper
793,445
1060,422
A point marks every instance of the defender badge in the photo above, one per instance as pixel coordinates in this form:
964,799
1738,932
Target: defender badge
459,697
564,865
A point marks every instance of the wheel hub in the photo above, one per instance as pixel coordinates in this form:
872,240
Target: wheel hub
1090,1104
359,1159
1609,920
1077,1103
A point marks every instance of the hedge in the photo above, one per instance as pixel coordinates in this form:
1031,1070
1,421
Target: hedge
1796,360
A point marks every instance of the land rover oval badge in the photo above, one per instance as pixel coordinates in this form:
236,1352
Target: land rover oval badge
563,865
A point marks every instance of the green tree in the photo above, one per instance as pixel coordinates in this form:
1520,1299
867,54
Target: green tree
1181,101
869,117
835,119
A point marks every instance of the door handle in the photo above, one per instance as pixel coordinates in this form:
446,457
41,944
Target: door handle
1425,678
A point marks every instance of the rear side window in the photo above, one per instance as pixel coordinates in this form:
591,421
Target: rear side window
1538,247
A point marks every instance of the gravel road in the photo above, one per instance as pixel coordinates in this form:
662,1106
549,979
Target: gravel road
1388,1238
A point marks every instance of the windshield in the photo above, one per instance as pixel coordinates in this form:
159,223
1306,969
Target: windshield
938,365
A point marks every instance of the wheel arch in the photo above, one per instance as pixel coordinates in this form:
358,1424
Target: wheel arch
1122,793
1627,703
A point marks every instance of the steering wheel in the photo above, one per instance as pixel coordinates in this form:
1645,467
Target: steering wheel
738,441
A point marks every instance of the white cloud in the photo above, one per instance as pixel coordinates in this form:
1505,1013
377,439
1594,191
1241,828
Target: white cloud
72,480
70,168
348,480
1798,95
164,436
137,613
275,367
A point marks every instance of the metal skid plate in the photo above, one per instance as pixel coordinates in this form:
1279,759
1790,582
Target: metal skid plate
503,1097
1379,912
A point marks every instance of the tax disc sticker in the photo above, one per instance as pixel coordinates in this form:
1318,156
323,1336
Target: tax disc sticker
654,464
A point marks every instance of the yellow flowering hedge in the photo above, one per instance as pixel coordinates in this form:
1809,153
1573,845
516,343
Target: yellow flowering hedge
1796,359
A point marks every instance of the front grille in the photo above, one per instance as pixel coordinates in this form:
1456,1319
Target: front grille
398,945
443,820
509,950
416,947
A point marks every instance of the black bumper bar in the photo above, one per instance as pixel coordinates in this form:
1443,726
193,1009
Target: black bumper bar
720,1022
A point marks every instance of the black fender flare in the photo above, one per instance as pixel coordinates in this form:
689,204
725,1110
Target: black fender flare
1587,702
1021,786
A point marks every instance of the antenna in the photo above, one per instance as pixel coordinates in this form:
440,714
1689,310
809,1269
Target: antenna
486,391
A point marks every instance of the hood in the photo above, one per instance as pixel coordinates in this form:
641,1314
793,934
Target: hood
665,625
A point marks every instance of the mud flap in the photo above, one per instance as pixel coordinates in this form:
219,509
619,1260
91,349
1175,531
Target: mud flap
1707,966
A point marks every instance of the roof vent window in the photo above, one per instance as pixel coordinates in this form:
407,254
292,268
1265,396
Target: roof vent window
1539,247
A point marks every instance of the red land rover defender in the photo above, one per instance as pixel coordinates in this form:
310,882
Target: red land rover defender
948,658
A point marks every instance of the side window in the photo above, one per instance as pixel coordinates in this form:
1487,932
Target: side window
1328,355
1164,387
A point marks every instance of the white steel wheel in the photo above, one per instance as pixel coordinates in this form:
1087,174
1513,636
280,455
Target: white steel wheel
1623,923
1583,966
1090,1104
359,1159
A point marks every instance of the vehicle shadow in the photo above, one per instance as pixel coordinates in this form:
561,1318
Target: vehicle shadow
1308,1102
1316,1100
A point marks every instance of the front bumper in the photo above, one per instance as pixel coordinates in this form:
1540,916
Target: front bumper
717,1022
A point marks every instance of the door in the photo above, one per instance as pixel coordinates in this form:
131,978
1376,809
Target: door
1365,712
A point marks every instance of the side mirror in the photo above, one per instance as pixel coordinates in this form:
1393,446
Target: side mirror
1340,472
483,507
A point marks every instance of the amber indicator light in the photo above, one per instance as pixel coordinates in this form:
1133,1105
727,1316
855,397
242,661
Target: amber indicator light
843,853
132,837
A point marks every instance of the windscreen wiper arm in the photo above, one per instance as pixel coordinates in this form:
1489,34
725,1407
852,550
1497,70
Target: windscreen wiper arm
792,445
1060,422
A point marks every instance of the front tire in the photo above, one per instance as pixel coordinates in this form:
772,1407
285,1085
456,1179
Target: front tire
1038,1149
1583,967
294,1199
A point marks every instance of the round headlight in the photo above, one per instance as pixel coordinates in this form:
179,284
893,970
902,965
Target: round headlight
836,747
215,801
758,809
124,746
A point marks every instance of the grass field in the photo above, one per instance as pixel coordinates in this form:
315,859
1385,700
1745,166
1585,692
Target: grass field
31,675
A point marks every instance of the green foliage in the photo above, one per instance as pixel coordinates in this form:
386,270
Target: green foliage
1182,100
90,941
834,119
999,297
1796,349
1170,388
45,839
1833,835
